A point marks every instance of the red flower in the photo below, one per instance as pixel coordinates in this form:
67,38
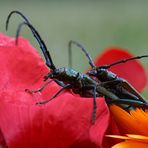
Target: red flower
132,71
63,122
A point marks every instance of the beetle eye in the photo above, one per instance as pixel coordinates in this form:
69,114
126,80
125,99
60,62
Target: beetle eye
92,72
56,72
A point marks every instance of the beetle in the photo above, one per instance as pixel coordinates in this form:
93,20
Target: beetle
68,78
78,82
108,79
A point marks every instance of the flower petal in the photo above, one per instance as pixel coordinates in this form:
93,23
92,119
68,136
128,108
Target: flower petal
118,136
131,144
115,54
21,66
63,122
129,122
130,138
138,137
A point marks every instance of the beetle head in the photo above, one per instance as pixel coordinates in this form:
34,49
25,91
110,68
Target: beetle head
96,71
55,74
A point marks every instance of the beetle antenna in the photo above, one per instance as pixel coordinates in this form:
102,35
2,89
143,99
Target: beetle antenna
36,35
123,61
43,47
83,49
24,17
15,12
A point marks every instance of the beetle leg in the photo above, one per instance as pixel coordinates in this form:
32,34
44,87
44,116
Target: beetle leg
59,83
132,103
107,93
78,80
94,105
43,87
123,87
55,95
38,90
93,88
111,83
125,92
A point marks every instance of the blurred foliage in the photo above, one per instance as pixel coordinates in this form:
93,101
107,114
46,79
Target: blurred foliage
97,24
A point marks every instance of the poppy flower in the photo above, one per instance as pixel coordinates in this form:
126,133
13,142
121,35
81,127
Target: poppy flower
133,124
63,122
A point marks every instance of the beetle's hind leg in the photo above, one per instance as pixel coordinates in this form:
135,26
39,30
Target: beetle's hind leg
94,112
123,88
131,103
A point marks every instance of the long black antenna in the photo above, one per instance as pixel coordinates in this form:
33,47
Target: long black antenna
24,17
43,47
36,35
83,49
123,61
15,12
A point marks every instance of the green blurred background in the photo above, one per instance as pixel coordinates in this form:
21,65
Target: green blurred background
97,24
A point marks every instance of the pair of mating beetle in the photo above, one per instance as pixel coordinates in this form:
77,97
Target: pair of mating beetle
95,83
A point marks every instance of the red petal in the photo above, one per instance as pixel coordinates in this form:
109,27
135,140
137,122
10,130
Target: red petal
21,66
133,71
108,142
63,122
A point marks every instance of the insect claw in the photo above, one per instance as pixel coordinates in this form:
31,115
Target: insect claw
37,103
28,91
93,120
33,91
45,78
44,102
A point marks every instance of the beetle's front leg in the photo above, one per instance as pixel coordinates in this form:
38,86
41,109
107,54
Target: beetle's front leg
38,90
43,87
55,95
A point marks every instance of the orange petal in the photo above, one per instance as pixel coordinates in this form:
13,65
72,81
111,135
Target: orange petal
130,137
140,138
141,119
125,121
118,136
131,144
134,122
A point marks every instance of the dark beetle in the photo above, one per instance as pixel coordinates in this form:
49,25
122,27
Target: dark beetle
80,83
108,79
68,78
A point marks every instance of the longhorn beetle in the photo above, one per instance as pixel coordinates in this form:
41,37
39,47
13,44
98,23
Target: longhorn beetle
68,78
80,83
109,80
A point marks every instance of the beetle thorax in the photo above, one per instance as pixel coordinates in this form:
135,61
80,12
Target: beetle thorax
66,75
105,75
